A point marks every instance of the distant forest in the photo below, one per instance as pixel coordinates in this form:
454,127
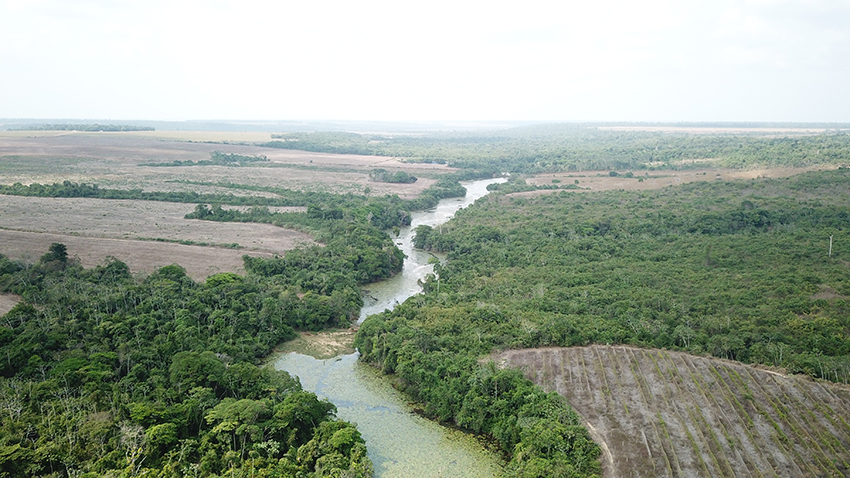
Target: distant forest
82,127
578,147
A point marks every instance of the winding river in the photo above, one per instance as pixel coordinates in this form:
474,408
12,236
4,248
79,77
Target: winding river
400,442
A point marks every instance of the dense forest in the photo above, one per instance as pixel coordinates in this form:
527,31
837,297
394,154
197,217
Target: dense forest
580,147
741,270
103,375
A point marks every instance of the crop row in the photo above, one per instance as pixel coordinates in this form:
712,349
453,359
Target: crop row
664,413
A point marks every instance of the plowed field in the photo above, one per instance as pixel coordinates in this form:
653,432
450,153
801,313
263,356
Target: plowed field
663,413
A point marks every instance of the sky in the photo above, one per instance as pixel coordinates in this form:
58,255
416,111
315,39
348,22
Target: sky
555,60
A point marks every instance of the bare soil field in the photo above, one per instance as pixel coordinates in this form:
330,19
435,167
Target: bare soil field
590,181
131,219
115,160
96,228
7,301
141,256
662,413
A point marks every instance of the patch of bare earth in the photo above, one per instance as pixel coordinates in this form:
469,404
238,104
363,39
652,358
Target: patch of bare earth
663,413
590,181
131,231
7,302
117,160
321,345
141,256
131,219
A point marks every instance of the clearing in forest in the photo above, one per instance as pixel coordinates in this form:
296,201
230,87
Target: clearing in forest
662,413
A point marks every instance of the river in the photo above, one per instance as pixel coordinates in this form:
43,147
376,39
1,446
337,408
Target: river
400,442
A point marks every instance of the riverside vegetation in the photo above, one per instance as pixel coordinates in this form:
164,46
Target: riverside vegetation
104,375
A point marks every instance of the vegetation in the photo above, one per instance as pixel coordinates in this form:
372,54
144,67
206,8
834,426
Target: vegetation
104,375
83,127
739,270
217,158
381,212
579,147
384,176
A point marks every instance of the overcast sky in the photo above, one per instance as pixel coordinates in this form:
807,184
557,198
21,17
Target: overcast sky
617,60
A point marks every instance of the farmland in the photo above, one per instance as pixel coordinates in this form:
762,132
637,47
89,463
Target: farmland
151,234
665,413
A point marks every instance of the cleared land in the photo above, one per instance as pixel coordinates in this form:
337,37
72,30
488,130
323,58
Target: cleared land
94,229
662,413
141,256
131,219
115,160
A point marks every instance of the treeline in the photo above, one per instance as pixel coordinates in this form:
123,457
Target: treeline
83,127
217,158
352,253
104,375
384,176
580,147
383,212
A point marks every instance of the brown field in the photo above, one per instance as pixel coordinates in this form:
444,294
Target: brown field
590,181
113,160
131,219
662,413
94,229
141,256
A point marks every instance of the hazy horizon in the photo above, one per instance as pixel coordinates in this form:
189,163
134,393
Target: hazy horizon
612,61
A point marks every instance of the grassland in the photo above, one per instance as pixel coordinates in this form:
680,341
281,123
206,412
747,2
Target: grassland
663,413
591,181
